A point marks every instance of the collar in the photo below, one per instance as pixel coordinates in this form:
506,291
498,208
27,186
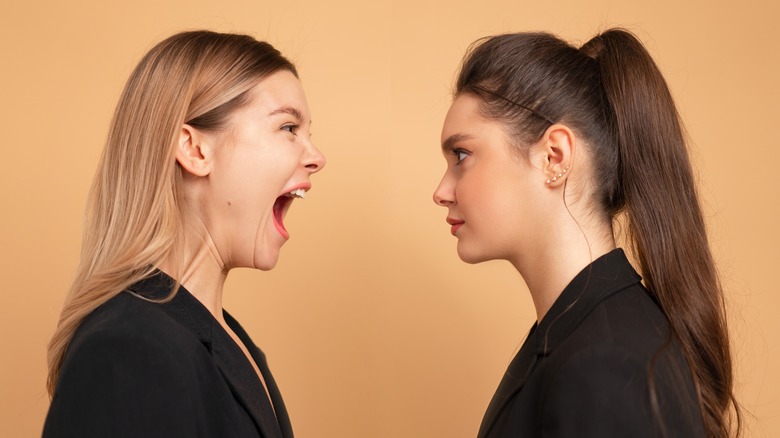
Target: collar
606,276
228,357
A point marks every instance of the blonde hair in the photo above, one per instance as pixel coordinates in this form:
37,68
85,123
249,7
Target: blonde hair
133,219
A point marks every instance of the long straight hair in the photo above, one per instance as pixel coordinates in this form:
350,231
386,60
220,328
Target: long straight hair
612,93
133,219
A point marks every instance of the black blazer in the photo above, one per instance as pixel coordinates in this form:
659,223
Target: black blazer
584,369
140,369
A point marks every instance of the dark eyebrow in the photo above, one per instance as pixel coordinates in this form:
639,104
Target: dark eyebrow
448,145
288,110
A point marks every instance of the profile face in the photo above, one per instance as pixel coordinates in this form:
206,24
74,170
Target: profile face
263,162
489,189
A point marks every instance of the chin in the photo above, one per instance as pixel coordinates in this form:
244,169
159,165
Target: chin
472,256
265,262
265,267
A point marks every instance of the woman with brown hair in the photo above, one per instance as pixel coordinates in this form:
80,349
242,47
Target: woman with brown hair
208,147
548,148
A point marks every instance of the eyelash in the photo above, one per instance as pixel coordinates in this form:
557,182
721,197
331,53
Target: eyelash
292,129
457,153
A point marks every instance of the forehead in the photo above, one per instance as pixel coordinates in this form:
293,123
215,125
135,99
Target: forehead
280,90
463,109
464,119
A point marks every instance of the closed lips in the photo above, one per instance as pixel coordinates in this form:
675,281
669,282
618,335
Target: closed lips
456,224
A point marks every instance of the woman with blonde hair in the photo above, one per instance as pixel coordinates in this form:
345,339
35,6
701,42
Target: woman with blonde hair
548,146
208,147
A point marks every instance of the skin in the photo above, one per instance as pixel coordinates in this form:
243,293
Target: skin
232,179
504,209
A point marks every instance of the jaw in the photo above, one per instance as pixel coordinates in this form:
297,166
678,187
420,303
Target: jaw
264,249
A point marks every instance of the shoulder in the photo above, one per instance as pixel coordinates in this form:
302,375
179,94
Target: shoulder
604,374
597,391
625,331
128,319
620,373
630,321
129,370
609,390
134,335
626,334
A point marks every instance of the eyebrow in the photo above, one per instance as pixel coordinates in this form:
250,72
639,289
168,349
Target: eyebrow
288,110
448,145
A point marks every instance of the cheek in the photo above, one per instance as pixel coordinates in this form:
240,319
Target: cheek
499,205
482,196
263,175
279,166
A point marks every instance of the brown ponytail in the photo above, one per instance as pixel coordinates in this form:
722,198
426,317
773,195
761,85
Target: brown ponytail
611,93
665,223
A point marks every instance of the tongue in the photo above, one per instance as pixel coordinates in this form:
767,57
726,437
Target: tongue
279,205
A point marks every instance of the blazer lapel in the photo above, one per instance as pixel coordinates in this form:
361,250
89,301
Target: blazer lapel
282,418
604,277
228,357
521,367
244,383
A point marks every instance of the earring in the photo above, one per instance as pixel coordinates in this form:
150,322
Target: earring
557,175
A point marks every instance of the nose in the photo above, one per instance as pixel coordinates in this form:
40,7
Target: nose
314,160
444,193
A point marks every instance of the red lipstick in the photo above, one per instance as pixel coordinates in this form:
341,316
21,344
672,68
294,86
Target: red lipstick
456,224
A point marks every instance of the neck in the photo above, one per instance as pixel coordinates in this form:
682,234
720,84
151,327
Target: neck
200,271
562,256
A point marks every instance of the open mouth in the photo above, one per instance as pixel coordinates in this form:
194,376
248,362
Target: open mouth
281,206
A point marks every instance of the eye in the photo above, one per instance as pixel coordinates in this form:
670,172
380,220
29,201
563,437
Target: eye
460,155
291,128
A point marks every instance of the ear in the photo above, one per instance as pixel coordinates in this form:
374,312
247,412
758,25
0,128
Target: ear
558,147
194,151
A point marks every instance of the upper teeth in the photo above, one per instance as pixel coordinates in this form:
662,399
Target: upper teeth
298,193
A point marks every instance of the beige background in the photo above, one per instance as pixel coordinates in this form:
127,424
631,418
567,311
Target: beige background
373,326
